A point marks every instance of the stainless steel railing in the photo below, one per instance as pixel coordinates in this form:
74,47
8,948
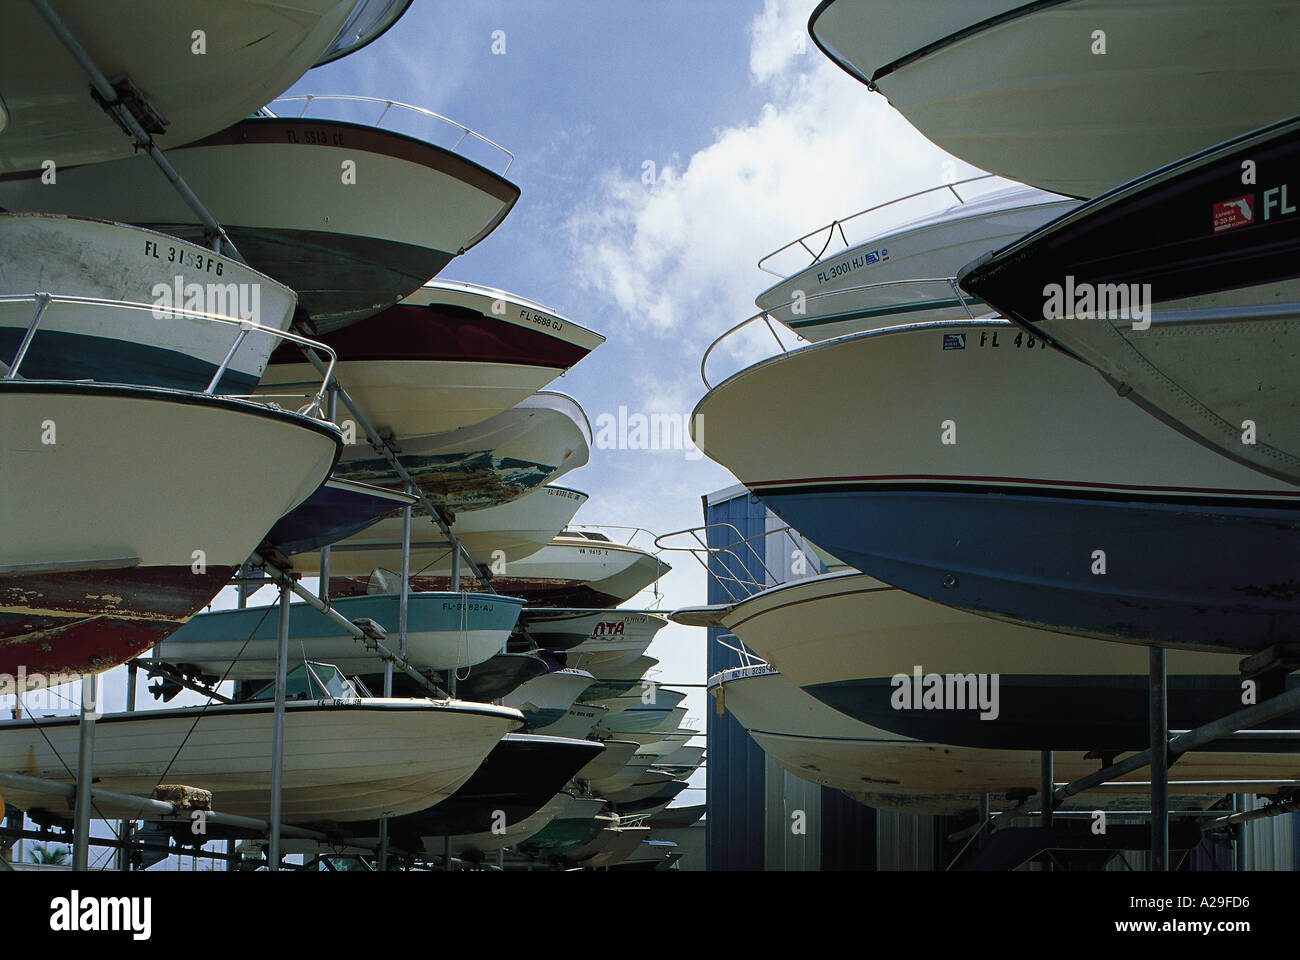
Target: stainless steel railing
244,327
308,100
766,315
830,229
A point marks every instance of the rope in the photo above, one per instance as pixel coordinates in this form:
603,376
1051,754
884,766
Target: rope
204,709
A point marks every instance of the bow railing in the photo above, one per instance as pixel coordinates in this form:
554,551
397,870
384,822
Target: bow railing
308,100
43,302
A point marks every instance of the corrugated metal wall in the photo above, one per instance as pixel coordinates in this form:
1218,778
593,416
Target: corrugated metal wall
752,801
735,775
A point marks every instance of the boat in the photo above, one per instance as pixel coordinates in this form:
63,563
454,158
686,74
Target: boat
651,782
516,780
1075,97
873,652
892,772
645,719
346,758
649,855
127,509
449,355
613,704
661,713
581,568
143,308
546,699
251,51
497,676
579,824
686,815
972,493
337,510
600,664
652,743
445,631
516,833
684,756
532,444
496,537
369,21
591,631
901,273
612,845
615,757
351,245
577,721
618,681
654,803
636,767
1190,308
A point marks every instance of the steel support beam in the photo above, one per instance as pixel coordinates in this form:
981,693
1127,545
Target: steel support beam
436,513
1158,705
280,575
85,771
277,731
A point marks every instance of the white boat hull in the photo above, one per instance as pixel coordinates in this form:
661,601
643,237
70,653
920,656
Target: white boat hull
98,570
1033,98
593,631
972,494
343,760
445,631
534,443
495,537
546,699
252,51
887,771
414,398
277,188
936,248
81,257
574,573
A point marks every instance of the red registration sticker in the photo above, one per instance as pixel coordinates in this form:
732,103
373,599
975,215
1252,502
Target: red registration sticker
1234,213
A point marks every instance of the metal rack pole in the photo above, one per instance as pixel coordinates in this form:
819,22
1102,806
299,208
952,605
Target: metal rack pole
1157,695
277,731
1195,739
85,771
436,512
152,809
280,575
322,585
124,827
1045,787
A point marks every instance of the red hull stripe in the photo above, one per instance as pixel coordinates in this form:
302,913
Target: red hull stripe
409,332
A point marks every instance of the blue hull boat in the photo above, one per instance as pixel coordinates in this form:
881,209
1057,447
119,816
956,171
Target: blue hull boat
1184,574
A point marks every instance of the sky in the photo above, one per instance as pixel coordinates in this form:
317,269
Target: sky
661,149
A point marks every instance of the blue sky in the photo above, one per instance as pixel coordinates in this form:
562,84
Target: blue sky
755,139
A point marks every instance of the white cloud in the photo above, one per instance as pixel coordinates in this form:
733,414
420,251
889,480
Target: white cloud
677,257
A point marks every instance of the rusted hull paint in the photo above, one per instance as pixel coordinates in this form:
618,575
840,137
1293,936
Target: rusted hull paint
469,481
89,621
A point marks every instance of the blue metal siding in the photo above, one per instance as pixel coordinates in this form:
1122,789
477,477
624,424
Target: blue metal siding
735,772
734,775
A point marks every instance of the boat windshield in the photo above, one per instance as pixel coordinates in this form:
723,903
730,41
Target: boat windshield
367,23
312,681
